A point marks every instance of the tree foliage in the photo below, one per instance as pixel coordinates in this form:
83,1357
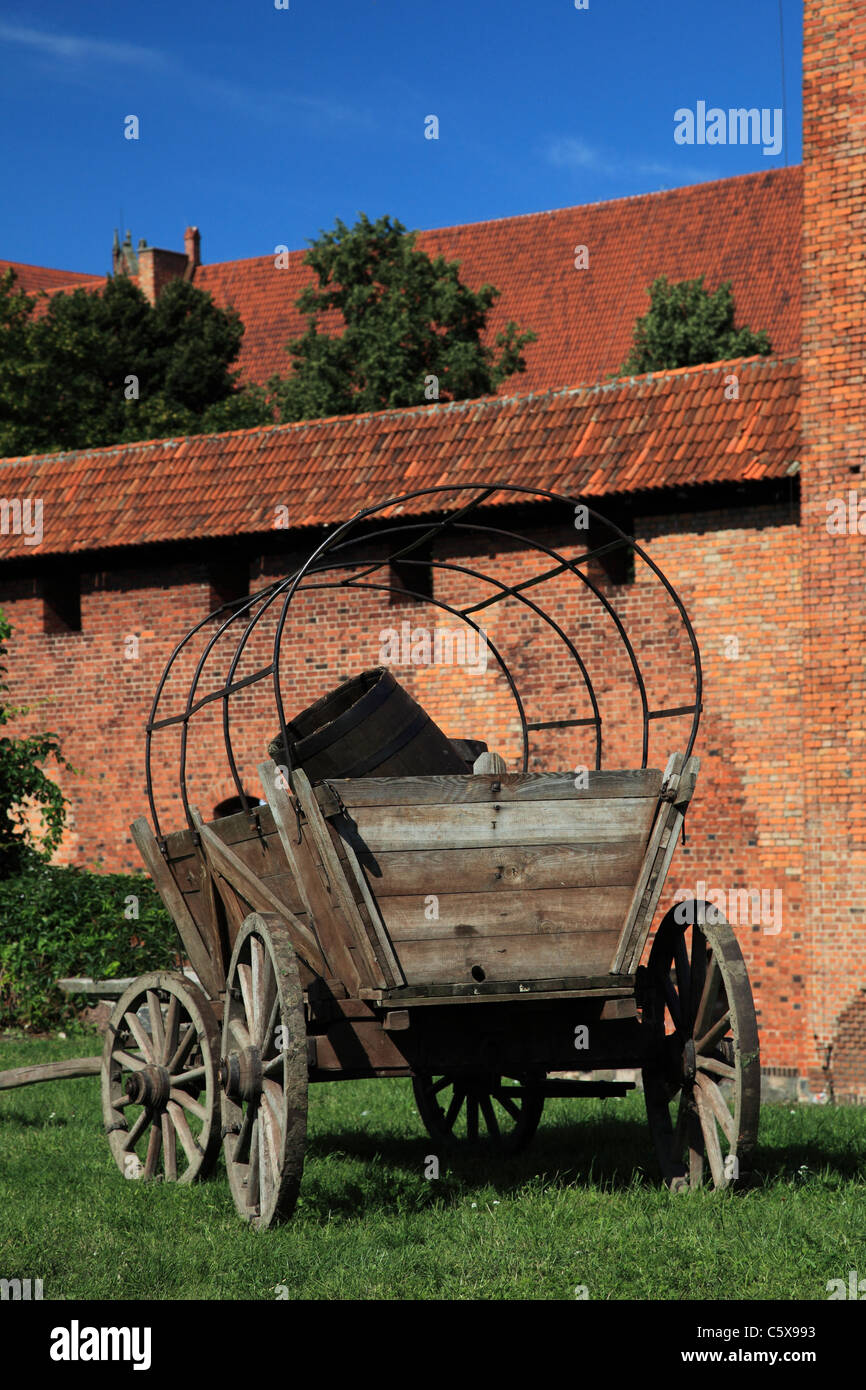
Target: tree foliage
26,791
398,318
65,374
685,326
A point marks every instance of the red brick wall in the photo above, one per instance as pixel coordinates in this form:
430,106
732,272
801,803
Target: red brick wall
738,573
834,566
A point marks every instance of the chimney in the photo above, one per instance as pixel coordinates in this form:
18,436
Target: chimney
833,519
192,248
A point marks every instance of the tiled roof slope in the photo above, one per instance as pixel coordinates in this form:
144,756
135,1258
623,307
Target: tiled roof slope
745,229
31,278
663,430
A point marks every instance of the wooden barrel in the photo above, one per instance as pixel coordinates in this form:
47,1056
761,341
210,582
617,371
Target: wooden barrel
368,727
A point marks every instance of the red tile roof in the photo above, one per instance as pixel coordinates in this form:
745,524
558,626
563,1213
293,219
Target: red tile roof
669,429
745,229
31,278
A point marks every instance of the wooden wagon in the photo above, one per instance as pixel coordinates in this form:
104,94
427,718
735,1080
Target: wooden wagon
480,932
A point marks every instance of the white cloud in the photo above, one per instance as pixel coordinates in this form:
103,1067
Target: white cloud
82,50
571,152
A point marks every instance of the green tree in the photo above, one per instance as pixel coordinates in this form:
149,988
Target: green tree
685,325
394,317
65,375
25,787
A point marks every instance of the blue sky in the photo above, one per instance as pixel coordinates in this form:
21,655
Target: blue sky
261,126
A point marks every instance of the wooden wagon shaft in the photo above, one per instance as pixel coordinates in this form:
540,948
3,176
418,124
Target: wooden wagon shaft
50,1071
208,969
260,897
356,935
677,788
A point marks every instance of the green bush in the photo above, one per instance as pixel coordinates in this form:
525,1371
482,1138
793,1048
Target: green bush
56,922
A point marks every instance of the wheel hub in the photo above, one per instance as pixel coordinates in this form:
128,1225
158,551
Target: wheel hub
240,1075
149,1086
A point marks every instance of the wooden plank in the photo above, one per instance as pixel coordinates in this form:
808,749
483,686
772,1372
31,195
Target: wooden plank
261,898
545,911
492,869
517,957
310,884
351,936
50,1071
659,827
367,906
608,864
646,912
209,971
382,828
570,987
359,1046
510,786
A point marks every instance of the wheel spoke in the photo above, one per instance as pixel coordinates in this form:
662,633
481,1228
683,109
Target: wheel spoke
718,1030
673,1001
709,995
154,1144
696,1146
681,964
154,1013
490,1118
245,981
454,1108
440,1085
186,1077
241,1150
133,1023
240,1032
710,1091
472,1119
169,1147
268,1038
139,1126
182,1050
501,1094
720,1068
172,1028
254,1196
190,1144
273,1095
193,1106
711,1139
127,1060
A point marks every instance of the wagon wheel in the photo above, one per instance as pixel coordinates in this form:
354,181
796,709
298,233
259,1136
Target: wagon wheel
160,1098
455,1108
263,1073
702,1041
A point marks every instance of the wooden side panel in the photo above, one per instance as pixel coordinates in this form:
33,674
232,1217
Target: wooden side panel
389,828
514,957
494,870
509,879
506,786
547,912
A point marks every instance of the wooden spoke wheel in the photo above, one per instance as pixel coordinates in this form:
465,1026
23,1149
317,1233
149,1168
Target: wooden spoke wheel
263,1073
702,1050
160,1097
482,1107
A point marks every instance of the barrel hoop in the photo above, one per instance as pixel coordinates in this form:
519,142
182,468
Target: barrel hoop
381,755
347,721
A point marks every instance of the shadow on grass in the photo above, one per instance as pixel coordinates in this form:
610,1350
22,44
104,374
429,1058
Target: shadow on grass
614,1155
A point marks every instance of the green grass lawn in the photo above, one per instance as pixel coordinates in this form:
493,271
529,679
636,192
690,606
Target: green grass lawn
581,1207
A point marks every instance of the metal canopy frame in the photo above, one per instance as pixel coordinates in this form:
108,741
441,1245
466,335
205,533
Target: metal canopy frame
239,618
